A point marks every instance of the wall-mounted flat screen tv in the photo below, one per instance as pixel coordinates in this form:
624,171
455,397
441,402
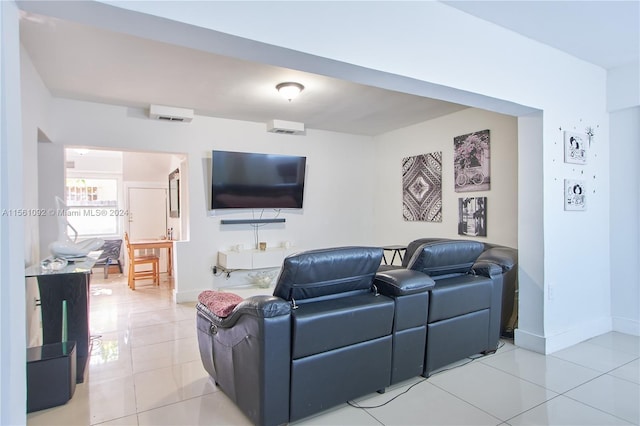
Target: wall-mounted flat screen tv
242,180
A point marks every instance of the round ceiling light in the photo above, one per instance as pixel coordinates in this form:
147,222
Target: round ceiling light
289,90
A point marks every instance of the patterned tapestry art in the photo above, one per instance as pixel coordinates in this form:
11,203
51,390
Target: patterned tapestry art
422,187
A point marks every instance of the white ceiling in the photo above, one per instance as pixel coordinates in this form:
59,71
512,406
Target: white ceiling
605,33
87,63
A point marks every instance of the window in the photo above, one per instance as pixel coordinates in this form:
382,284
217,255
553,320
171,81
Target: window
93,205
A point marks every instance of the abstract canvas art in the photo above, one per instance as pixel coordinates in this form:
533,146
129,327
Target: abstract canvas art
471,162
422,187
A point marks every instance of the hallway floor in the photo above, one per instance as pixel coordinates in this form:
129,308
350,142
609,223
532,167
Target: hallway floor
145,369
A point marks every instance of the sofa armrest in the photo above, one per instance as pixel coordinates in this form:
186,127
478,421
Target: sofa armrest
487,268
256,306
505,257
248,355
401,282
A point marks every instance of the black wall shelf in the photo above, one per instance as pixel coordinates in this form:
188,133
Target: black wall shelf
250,221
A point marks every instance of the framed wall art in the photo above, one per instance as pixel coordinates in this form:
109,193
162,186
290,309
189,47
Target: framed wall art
472,216
471,162
422,187
575,147
575,193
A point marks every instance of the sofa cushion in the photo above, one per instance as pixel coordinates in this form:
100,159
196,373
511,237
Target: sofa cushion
335,323
330,378
460,295
218,302
456,338
323,272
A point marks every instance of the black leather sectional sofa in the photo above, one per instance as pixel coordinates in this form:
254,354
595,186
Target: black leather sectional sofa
337,328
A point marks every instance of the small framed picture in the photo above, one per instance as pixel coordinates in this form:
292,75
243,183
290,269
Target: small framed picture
472,216
575,194
575,147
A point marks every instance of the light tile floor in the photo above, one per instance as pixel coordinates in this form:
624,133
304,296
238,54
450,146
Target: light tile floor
145,369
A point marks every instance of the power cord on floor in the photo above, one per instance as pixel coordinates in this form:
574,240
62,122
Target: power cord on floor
470,360
353,404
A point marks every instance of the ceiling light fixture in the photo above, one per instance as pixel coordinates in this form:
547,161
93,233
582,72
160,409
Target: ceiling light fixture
289,90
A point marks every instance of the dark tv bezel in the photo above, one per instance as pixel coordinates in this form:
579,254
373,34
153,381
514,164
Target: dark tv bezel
298,158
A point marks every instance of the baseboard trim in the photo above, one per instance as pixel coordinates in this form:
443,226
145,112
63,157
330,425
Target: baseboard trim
626,326
563,339
580,333
187,296
530,341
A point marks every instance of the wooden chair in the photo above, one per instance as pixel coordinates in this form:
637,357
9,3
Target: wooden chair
135,260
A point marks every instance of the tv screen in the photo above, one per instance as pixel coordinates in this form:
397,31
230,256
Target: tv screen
242,180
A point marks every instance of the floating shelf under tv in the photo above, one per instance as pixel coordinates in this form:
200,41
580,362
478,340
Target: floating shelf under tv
250,221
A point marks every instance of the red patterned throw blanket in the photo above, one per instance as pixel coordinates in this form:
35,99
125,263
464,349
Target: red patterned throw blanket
218,302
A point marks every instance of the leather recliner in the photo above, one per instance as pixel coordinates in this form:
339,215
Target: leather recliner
464,305
332,331
506,258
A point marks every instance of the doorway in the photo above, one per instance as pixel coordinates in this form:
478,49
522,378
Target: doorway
140,197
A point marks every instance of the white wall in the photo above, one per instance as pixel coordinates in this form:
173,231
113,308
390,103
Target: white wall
35,125
94,161
35,107
50,185
531,238
623,87
339,191
437,135
623,101
625,232
147,167
13,249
